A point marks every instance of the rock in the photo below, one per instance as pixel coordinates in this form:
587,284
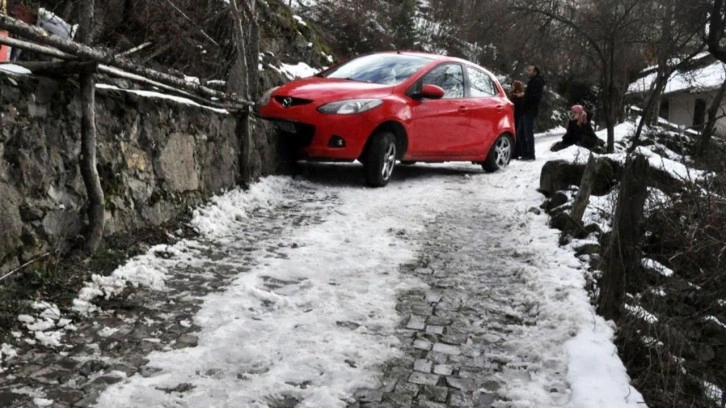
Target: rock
176,163
10,222
187,340
367,395
422,365
92,367
556,199
559,175
28,213
491,386
587,249
423,378
605,178
593,229
435,393
147,371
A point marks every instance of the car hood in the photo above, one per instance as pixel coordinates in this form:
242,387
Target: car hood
330,89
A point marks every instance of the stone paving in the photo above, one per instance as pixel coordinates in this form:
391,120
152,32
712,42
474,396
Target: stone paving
113,343
457,335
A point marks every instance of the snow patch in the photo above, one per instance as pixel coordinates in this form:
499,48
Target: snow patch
656,266
15,69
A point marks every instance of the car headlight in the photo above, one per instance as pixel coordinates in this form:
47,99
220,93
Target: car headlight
350,106
266,96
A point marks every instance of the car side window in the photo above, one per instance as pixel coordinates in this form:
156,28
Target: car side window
480,84
450,77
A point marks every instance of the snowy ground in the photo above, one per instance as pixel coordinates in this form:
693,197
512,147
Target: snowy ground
263,341
316,318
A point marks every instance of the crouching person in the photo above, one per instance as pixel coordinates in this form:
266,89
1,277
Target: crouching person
579,131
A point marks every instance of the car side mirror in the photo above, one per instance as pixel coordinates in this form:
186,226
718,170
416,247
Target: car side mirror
431,91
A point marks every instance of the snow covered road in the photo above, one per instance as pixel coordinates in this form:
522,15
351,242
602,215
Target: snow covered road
446,288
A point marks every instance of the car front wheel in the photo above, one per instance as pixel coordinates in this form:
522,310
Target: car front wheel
380,159
500,154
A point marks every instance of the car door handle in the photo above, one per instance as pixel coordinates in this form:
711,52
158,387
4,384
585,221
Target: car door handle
463,109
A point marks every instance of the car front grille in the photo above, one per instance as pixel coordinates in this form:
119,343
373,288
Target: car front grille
289,101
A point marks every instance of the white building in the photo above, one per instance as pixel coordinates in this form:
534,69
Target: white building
689,92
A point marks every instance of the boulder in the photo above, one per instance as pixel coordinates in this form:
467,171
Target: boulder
558,175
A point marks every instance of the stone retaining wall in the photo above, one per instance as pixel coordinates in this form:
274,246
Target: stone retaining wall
156,158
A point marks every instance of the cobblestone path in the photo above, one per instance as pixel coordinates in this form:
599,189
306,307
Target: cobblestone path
467,338
114,342
469,333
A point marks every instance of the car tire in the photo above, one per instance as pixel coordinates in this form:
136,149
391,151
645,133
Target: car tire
380,159
500,154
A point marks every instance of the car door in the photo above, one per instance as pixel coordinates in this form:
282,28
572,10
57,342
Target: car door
437,123
485,106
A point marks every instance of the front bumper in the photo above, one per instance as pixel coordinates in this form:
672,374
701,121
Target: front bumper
318,136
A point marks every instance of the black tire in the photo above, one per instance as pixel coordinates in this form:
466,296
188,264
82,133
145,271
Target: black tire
500,154
380,159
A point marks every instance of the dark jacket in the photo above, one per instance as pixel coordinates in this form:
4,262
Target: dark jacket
578,135
532,95
517,101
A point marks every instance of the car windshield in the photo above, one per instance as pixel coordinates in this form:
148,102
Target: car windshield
386,69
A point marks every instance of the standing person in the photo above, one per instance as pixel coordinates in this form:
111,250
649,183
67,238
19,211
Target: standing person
517,96
530,107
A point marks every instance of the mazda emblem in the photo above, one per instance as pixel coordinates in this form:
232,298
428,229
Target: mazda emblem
287,102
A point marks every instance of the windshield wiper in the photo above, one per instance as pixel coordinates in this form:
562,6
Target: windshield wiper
358,80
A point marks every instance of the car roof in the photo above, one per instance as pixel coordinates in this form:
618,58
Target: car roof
437,57
418,53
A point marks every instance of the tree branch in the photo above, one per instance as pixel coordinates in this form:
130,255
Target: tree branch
83,51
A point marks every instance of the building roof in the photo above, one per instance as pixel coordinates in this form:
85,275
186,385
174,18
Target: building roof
706,74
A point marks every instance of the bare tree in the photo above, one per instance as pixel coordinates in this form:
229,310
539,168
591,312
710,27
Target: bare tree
609,30
88,138
678,27
243,76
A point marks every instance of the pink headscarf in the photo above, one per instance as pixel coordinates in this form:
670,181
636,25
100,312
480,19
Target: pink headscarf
579,110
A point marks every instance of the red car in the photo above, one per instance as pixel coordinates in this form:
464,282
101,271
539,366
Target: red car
408,106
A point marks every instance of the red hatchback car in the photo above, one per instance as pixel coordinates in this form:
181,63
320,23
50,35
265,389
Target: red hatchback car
408,106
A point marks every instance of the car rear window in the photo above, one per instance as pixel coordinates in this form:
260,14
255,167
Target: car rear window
387,69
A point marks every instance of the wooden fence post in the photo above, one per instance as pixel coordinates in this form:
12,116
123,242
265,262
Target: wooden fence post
622,256
96,211
583,194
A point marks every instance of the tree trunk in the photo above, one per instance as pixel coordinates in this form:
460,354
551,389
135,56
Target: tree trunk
621,261
88,140
583,194
241,77
651,108
253,52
